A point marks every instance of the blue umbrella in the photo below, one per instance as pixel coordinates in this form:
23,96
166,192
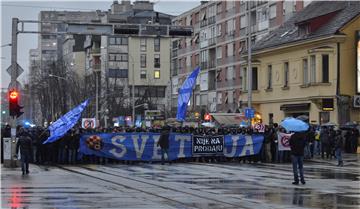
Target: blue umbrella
293,124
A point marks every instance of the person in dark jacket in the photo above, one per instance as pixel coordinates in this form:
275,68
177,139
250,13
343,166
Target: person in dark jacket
297,145
25,145
325,142
164,143
338,147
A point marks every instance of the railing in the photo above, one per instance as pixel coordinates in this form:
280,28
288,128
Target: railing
204,65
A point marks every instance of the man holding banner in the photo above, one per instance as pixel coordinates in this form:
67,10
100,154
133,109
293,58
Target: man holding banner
164,144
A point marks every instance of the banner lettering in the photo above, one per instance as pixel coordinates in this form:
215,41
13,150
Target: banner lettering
143,146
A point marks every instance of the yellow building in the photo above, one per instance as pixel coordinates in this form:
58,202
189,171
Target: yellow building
308,66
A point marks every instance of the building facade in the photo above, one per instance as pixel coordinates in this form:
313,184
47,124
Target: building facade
116,63
308,66
220,36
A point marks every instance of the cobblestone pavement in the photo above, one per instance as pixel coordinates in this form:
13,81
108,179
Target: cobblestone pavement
183,185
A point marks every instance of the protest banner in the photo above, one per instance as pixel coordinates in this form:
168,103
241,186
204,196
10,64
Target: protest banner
143,146
283,141
208,145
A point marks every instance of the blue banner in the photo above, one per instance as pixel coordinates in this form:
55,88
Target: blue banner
143,146
185,93
66,122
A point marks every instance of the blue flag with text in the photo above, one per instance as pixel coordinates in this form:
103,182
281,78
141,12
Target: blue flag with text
66,122
185,93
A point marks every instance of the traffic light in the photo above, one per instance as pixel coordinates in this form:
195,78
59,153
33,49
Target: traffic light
207,117
14,107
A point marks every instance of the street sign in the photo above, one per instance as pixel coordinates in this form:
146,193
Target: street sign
18,69
249,113
88,123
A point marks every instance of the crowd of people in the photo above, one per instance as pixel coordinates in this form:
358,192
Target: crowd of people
322,141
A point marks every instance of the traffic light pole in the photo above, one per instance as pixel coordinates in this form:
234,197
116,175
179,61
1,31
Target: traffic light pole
13,85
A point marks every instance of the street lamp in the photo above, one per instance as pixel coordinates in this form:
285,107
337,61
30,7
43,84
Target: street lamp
6,45
55,76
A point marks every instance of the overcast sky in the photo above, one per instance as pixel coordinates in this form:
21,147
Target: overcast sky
29,10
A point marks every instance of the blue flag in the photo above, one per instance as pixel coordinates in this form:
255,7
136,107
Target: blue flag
185,93
66,122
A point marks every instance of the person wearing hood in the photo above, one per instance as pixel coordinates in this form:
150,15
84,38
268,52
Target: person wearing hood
25,145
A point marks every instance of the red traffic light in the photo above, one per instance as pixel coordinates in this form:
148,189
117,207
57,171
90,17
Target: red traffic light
207,117
14,107
13,94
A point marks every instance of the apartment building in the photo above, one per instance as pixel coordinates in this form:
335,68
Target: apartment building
308,66
219,39
123,60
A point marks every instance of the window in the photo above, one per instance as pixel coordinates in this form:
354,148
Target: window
143,60
230,4
230,97
230,27
197,59
313,68
117,73
272,11
219,98
324,117
230,49
157,74
271,118
243,21
218,8
254,78
118,57
143,44
118,40
219,52
325,68
157,60
305,72
218,29
303,29
157,44
269,86
245,79
143,74
230,73
286,74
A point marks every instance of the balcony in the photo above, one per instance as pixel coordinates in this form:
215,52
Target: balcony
211,20
203,23
204,65
212,41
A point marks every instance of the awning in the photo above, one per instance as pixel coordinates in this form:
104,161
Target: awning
295,107
228,118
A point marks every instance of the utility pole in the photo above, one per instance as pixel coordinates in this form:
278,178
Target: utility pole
133,91
96,96
249,71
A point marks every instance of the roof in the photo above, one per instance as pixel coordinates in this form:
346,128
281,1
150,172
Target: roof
288,33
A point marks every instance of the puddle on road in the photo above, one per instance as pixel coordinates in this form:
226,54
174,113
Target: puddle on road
331,174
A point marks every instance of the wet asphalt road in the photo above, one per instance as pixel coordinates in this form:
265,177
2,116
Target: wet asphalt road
183,185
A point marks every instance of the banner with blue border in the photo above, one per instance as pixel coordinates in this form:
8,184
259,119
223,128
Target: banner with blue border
143,146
